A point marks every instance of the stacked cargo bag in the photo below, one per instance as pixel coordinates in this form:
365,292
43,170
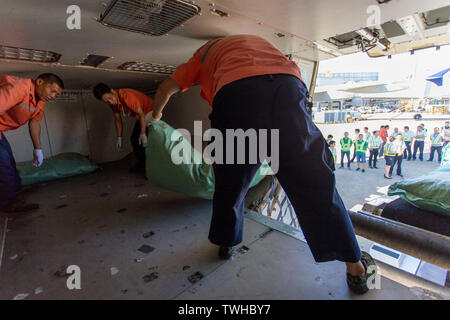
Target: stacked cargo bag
192,176
61,166
430,192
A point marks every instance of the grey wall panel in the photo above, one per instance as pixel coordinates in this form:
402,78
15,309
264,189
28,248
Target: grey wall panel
66,125
185,108
21,144
102,133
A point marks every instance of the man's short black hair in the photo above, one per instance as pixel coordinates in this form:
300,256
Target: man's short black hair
386,127
406,127
330,136
357,130
366,128
332,142
100,89
51,78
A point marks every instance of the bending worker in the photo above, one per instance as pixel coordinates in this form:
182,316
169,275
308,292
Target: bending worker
131,103
22,101
251,85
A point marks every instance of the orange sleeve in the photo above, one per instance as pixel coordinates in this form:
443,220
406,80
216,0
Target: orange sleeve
186,74
114,109
38,116
131,100
10,95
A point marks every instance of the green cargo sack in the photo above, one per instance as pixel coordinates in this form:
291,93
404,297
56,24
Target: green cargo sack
430,192
60,166
193,176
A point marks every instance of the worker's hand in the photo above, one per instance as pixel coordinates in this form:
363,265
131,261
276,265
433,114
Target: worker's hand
151,118
119,143
38,157
143,140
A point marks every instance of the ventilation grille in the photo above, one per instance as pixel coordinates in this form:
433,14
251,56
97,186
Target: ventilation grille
152,17
24,54
147,67
94,60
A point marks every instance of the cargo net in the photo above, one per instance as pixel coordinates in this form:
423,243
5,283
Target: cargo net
274,203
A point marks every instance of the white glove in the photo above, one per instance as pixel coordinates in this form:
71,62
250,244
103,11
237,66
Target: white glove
143,140
38,157
149,119
119,143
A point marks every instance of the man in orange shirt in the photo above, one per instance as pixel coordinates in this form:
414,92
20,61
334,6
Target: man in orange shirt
251,85
131,103
22,101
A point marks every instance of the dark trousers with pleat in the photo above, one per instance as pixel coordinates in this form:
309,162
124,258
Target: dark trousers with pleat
278,102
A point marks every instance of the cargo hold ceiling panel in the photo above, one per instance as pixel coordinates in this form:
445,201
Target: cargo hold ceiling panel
151,17
24,54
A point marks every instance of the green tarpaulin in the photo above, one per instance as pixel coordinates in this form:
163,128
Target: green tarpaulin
193,176
60,166
430,192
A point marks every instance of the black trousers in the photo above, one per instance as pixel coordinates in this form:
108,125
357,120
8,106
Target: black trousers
397,161
438,149
407,153
373,157
278,102
418,145
345,153
138,150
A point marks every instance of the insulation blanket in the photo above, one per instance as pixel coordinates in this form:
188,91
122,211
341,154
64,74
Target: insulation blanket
60,166
192,176
430,192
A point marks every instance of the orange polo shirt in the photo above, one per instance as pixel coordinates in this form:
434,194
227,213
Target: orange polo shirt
224,60
130,100
18,103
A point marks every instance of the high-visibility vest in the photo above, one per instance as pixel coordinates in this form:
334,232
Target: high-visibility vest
360,146
375,142
346,145
436,140
420,133
389,149
407,136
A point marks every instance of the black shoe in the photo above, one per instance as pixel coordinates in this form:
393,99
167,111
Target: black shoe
375,167
370,167
429,160
400,175
358,284
226,252
341,167
357,169
386,177
19,207
363,170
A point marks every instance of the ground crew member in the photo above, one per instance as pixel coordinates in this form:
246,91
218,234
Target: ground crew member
360,150
22,101
446,133
389,156
395,133
131,103
332,147
366,133
408,137
356,137
400,148
436,144
329,138
346,145
419,142
251,84
384,136
374,148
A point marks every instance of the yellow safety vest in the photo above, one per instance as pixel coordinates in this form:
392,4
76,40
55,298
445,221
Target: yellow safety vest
345,146
436,140
375,143
389,149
